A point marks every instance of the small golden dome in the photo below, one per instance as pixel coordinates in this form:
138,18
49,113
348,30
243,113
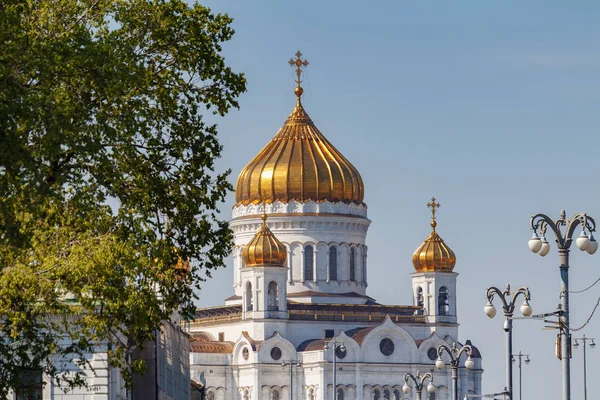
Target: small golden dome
434,255
299,164
264,249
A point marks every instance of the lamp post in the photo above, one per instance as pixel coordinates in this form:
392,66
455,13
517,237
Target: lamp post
539,244
291,363
584,339
419,383
527,361
508,300
455,354
335,345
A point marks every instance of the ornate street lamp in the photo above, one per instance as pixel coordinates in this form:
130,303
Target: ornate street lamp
508,300
419,383
563,231
291,363
455,354
335,345
584,339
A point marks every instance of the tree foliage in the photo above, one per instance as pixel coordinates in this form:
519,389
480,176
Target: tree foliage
107,178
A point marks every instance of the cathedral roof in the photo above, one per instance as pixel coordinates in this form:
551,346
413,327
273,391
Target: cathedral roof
359,334
300,164
211,347
312,345
314,293
264,249
434,255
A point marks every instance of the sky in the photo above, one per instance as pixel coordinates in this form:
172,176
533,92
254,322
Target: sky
491,107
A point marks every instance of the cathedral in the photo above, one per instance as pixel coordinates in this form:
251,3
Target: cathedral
300,324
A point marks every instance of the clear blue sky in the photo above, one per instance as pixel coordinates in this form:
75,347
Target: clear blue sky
491,107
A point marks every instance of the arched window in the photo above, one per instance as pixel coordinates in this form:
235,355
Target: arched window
432,396
333,264
275,395
443,301
387,395
273,297
311,394
249,301
309,262
420,300
397,394
210,396
340,394
377,394
352,264
419,296
246,395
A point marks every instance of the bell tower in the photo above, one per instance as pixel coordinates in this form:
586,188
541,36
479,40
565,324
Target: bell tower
434,281
264,276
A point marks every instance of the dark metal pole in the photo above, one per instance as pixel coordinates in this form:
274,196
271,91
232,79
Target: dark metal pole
565,347
584,370
454,368
509,370
520,378
334,372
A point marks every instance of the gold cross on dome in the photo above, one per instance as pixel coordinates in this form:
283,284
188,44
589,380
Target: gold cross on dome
298,63
433,205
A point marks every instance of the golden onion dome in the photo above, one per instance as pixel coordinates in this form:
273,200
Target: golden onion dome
299,163
264,249
434,255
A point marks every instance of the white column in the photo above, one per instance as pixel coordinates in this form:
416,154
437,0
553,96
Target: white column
359,382
365,265
315,263
302,264
289,265
327,277
235,266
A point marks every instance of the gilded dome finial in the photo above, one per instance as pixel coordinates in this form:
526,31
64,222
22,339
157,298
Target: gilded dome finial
264,213
298,63
433,205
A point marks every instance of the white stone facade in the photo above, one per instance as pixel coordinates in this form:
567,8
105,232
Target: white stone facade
240,347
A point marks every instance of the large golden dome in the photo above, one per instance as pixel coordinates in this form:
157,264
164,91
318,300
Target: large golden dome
434,255
299,164
264,249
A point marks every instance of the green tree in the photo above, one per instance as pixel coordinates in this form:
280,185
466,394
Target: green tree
107,178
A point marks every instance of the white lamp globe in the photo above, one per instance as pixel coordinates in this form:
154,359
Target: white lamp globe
535,244
431,388
439,364
406,389
593,245
582,241
470,364
526,309
545,248
489,309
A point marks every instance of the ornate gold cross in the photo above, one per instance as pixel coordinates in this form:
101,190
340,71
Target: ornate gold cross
433,205
298,63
